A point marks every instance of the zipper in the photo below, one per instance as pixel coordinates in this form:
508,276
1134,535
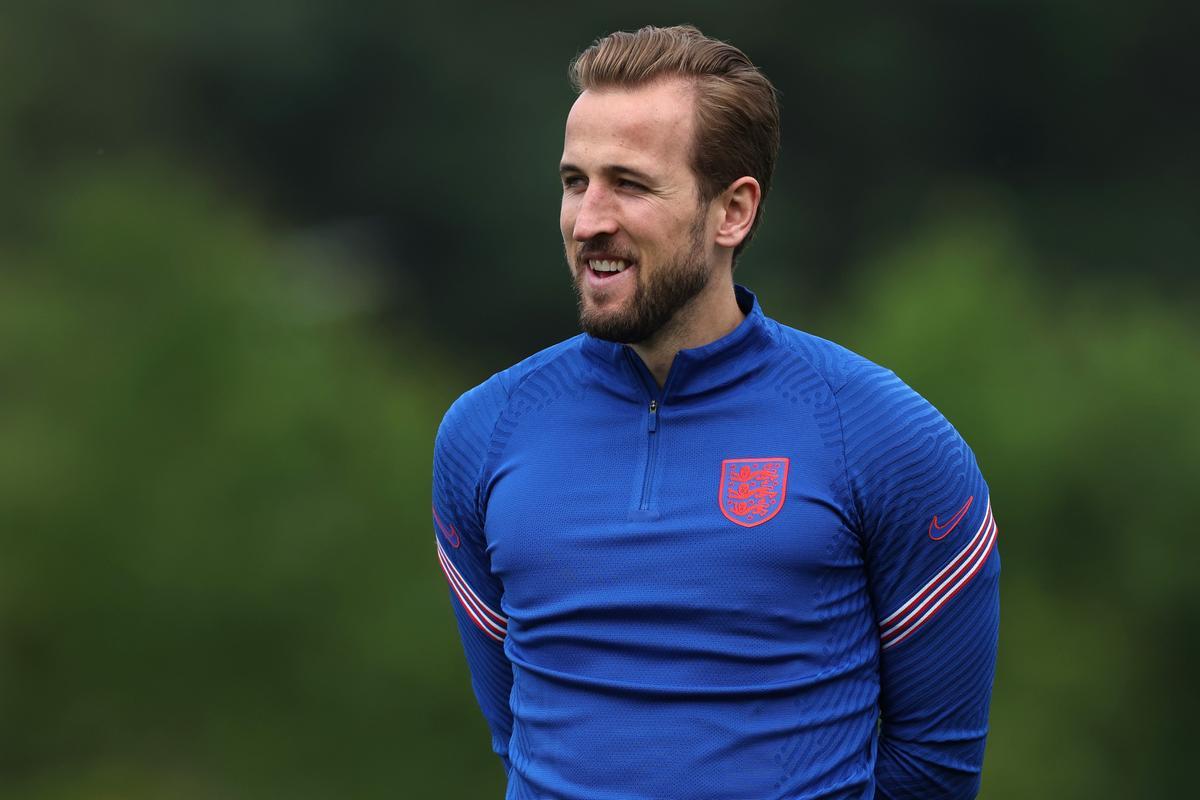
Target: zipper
651,454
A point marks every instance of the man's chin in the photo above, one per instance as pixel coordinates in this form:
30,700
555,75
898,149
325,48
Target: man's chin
602,304
612,326
608,314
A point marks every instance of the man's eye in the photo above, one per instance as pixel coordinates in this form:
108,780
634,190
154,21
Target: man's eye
572,181
632,185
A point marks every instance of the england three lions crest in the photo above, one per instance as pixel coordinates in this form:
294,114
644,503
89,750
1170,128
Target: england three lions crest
752,489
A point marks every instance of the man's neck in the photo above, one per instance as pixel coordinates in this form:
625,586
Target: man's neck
712,314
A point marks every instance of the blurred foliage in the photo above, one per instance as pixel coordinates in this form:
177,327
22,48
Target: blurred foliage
248,257
1080,405
436,135
213,582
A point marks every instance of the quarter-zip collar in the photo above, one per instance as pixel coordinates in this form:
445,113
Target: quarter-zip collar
697,370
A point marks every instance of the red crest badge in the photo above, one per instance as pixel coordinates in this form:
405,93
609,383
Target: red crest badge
752,489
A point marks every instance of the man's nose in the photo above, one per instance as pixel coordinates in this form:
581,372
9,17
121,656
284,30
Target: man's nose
596,214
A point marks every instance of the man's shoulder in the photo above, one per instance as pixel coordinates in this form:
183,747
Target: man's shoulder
836,364
882,420
487,401
861,386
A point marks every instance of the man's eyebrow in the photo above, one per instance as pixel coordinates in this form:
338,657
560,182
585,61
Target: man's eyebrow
610,169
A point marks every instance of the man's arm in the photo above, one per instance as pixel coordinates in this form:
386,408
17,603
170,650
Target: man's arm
475,593
929,542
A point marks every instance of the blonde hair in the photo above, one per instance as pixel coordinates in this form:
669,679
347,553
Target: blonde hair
737,108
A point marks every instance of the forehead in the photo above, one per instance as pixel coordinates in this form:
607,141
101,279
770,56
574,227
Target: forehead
650,124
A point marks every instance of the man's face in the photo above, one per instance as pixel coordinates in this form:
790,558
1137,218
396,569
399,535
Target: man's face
634,230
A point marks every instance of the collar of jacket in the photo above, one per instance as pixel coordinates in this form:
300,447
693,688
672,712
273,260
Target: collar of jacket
710,368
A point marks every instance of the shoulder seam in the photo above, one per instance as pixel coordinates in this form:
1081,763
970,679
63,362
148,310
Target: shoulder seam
508,396
837,404
833,394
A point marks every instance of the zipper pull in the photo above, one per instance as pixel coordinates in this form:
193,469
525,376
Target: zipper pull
653,416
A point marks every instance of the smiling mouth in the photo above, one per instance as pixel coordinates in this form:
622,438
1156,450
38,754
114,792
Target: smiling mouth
607,267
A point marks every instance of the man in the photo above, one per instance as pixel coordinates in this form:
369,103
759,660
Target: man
694,553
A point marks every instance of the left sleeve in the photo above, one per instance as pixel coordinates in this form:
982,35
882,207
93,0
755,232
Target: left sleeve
462,551
929,543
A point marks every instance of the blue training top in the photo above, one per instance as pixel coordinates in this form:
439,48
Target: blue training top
776,577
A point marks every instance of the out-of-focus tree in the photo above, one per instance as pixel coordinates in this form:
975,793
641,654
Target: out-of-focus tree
1079,402
437,134
217,577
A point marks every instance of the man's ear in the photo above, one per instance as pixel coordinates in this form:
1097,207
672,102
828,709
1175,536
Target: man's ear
739,206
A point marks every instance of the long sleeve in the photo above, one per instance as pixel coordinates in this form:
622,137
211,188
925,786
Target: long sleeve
476,595
929,542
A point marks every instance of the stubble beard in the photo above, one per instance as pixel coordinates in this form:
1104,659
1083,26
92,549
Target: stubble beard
658,300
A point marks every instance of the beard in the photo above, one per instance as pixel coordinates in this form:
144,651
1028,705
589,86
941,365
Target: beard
659,297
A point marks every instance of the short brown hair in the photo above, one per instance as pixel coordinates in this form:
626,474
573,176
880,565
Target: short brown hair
737,108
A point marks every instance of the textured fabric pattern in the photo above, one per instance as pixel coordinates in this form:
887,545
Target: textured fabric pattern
776,577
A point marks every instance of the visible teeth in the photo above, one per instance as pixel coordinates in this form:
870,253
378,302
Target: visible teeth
608,266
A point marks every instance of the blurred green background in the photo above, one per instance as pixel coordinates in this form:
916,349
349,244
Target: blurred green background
250,253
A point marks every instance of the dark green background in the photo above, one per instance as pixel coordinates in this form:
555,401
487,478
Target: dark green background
249,254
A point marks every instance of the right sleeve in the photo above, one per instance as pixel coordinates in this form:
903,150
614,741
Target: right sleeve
475,593
929,544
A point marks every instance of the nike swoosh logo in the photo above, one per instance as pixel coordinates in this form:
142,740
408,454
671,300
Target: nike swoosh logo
450,534
943,531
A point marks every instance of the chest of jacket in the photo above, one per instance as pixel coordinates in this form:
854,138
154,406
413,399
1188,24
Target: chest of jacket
716,521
